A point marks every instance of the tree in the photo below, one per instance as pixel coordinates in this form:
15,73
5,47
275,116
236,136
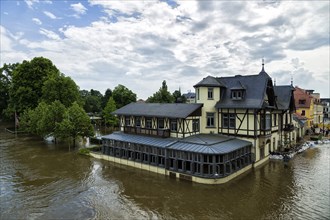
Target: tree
92,100
62,88
162,95
178,97
27,82
106,97
75,123
6,73
109,108
123,96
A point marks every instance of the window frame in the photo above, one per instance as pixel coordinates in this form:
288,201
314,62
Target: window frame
210,119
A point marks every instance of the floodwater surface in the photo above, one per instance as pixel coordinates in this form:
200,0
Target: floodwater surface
41,180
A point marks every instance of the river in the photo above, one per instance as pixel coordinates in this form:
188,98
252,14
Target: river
40,180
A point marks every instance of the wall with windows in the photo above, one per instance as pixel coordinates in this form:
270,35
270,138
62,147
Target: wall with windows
209,96
165,127
192,163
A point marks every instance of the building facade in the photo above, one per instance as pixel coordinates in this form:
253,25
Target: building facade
233,126
248,107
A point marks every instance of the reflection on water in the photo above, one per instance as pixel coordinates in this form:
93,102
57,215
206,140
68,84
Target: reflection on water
42,181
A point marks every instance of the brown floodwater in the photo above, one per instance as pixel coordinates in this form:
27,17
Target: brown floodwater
40,180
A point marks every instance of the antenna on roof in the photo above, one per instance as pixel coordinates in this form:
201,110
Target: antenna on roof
274,82
291,80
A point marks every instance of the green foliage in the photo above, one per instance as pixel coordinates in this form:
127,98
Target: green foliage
92,100
61,88
27,82
76,123
123,96
162,96
106,97
178,97
84,151
6,73
108,117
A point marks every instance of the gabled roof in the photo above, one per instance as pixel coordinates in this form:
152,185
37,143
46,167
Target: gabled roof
284,96
166,110
209,81
255,89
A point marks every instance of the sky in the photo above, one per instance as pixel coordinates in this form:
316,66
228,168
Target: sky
138,44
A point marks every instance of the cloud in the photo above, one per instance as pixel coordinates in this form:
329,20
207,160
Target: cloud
30,3
50,15
79,8
139,43
36,21
50,34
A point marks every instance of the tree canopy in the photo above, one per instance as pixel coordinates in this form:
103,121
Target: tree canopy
6,73
108,117
123,96
27,82
162,95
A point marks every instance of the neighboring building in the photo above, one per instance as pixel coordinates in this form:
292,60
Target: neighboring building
232,127
190,97
326,109
318,109
304,105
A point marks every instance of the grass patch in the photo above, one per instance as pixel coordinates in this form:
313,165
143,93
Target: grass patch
84,151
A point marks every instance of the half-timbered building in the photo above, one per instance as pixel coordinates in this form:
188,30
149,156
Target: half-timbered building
248,107
234,125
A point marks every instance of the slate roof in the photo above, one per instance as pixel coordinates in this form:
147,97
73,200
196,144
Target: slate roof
209,144
166,110
201,143
139,139
210,81
255,88
284,96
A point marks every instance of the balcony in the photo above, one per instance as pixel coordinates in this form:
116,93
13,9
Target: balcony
288,127
163,133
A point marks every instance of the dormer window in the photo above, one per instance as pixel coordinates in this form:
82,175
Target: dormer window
237,94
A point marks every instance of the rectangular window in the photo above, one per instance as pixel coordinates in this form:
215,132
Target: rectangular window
228,120
197,94
303,112
174,125
302,101
161,123
127,121
265,121
210,93
275,119
210,119
237,94
148,123
138,121
195,125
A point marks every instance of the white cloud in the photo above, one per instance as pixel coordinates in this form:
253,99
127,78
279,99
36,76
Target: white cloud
50,15
50,34
79,8
30,3
141,43
36,21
